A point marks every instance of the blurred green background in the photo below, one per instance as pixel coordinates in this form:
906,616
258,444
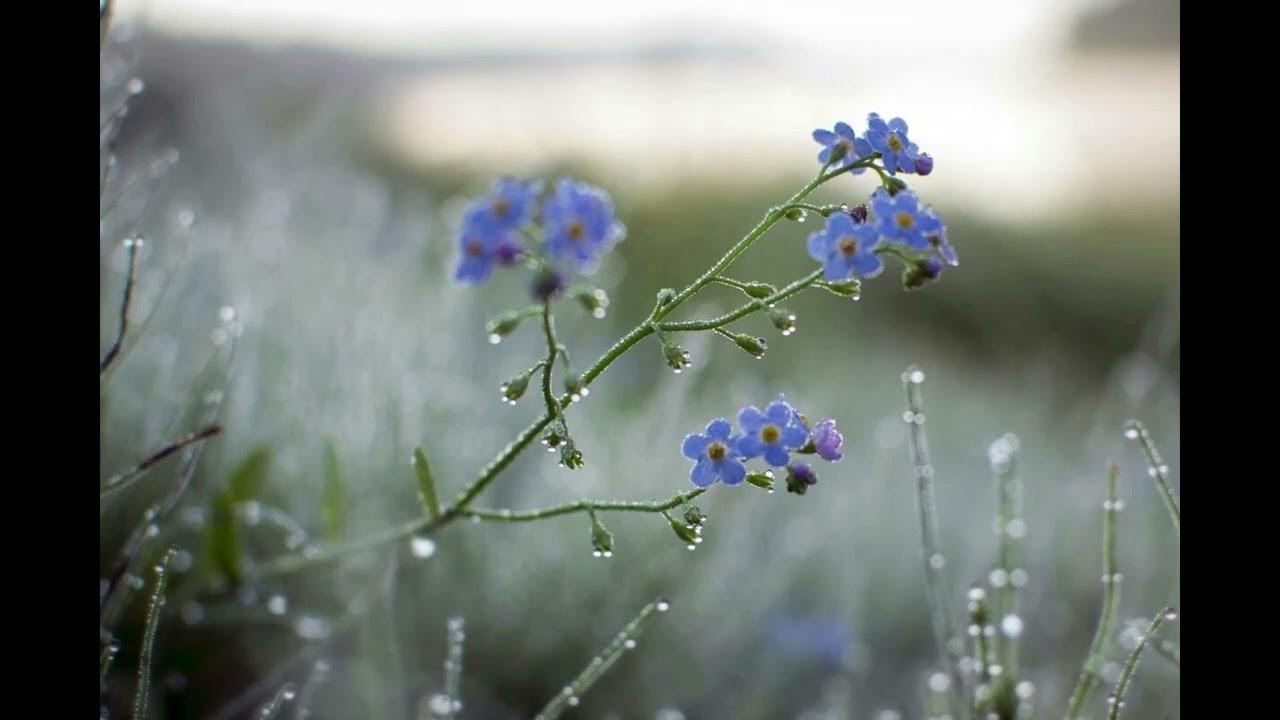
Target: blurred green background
295,285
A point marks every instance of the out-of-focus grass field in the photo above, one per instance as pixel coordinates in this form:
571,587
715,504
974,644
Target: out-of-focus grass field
352,346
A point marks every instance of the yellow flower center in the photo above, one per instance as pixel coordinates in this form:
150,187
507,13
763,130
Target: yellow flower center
474,248
576,230
904,220
895,143
716,452
501,206
769,434
847,245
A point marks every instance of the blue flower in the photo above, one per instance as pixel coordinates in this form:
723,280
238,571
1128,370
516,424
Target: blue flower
846,247
772,433
890,140
854,146
924,164
510,203
482,244
899,218
715,455
937,239
580,225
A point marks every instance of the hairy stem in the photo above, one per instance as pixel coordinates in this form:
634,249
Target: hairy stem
1091,675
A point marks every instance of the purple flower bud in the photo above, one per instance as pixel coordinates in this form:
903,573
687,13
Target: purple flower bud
508,253
931,268
859,213
827,440
799,477
547,284
924,164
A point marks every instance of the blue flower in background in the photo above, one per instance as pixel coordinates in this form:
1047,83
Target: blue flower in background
772,433
890,140
715,455
482,244
854,146
899,218
510,203
580,225
846,247
823,639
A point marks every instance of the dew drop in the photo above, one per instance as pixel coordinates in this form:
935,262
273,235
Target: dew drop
598,313
629,644
998,578
939,682
608,553
422,547
573,701
937,561
1011,626
494,338
1025,690
1018,577
1016,528
917,377
976,594
663,605
226,313
1170,614
596,553
277,605
135,86
440,704
691,546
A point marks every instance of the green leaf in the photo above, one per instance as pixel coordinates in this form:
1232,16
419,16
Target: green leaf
249,478
426,484
335,497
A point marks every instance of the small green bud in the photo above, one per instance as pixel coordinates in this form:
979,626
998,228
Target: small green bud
682,531
838,151
676,356
570,456
851,288
759,290
513,389
552,438
665,296
761,479
593,300
796,214
919,273
783,320
894,185
693,516
601,538
574,385
503,325
753,346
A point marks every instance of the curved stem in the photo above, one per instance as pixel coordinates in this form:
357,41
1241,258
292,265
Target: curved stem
1116,700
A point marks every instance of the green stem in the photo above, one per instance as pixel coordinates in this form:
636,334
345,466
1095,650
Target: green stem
1158,470
1091,675
588,506
745,310
549,330
1116,701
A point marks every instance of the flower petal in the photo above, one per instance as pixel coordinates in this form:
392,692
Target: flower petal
750,419
819,246
776,455
750,446
703,473
732,472
795,436
778,413
824,137
694,446
719,429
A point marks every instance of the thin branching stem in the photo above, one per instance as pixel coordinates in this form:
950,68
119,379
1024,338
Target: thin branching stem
587,506
745,310
548,395
127,478
132,245
143,691
601,663
283,697
453,667
935,583
1091,675
1116,701
1159,472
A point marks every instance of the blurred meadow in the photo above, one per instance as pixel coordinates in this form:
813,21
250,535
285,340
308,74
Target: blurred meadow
298,173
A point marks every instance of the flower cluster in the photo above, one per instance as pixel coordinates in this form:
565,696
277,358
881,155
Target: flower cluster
564,234
773,435
893,221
